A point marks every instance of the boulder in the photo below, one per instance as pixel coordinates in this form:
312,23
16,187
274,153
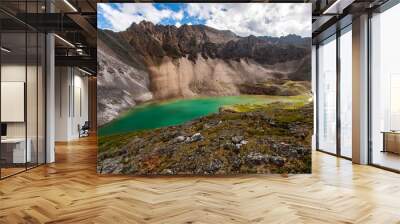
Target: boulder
277,160
196,137
256,158
237,139
180,138
236,163
167,172
211,124
111,166
214,166
229,146
188,140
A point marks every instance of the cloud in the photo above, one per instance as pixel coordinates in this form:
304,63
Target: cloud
179,15
259,19
115,19
244,19
120,16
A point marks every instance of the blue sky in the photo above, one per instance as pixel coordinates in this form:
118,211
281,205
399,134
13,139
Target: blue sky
176,7
260,19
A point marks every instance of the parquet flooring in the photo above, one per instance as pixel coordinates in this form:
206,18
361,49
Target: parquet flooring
10,171
70,191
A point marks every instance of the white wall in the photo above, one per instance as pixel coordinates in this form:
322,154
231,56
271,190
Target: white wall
71,102
62,81
33,126
314,90
16,73
80,110
10,73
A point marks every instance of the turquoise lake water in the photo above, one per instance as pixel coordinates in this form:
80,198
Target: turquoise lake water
175,112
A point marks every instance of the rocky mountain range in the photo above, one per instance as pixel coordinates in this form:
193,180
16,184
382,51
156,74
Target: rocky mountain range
155,62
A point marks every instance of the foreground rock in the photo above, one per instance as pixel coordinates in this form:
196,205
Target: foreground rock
274,138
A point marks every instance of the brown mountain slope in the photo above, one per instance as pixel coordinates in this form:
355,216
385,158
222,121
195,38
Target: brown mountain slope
149,61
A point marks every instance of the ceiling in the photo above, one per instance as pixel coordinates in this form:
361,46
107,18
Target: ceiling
331,15
74,21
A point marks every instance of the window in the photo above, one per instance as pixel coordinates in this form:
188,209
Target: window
346,92
22,77
385,89
327,95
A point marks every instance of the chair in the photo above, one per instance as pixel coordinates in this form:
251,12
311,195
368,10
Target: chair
84,130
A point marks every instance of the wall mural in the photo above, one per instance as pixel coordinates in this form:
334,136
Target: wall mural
204,89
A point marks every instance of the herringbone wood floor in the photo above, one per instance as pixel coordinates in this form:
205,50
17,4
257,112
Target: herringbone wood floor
70,191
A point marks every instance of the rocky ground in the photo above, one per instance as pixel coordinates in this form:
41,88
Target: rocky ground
276,87
273,138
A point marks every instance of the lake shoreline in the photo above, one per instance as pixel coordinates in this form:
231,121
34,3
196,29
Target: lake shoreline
178,111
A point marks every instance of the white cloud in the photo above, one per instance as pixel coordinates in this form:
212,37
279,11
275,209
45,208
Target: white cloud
179,15
244,19
117,20
259,19
178,24
125,14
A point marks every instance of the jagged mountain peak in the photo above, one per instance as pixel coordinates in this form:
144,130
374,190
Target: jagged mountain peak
192,41
290,39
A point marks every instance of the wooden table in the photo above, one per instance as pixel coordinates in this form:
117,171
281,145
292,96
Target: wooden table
391,141
13,150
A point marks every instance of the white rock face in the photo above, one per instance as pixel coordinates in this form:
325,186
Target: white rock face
120,86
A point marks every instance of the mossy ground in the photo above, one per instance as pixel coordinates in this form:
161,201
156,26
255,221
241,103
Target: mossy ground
277,130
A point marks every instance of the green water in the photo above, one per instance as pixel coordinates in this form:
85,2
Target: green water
175,112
